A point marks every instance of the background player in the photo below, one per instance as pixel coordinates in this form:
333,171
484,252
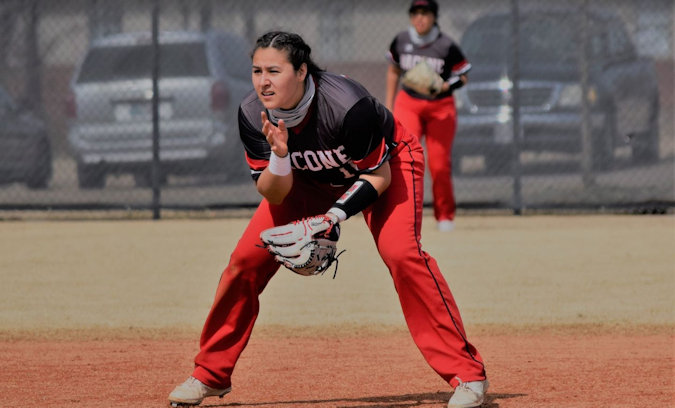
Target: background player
432,116
311,136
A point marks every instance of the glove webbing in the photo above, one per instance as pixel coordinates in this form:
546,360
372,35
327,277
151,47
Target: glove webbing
335,259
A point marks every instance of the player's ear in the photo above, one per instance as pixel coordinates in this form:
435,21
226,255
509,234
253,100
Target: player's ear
302,72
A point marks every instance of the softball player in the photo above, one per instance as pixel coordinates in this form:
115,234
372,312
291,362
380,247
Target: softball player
432,116
310,136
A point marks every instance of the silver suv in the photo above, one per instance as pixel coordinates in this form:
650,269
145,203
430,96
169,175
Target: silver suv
203,77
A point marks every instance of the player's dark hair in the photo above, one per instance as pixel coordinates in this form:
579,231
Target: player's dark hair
429,5
298,51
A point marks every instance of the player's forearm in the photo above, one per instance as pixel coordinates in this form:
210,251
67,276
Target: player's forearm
276,181
274,188
380,178
455,82
364,192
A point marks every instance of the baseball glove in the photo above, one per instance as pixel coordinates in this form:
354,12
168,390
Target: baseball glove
422,79
306,247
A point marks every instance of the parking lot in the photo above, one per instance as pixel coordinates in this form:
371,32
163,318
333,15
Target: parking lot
542,182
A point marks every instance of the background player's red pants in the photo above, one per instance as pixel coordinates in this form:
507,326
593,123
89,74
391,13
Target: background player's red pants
395,221
436,121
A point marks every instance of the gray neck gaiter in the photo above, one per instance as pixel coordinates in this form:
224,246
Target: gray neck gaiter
422,40
293,117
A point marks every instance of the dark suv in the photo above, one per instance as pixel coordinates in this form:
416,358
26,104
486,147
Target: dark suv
622,92
25,149
202,79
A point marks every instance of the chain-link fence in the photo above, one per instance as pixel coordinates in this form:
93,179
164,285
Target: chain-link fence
566,106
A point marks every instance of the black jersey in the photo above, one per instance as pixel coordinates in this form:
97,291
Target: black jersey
346,132
442,54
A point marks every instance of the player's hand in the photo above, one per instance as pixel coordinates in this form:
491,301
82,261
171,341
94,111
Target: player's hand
277,136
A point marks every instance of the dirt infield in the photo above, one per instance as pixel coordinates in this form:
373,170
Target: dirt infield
567,311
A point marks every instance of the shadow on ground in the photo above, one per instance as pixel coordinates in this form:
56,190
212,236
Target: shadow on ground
388,401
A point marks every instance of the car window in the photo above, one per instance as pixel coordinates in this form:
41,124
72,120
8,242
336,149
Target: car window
233,52
597,45
549,39
133,62
486,40
618,42
542,38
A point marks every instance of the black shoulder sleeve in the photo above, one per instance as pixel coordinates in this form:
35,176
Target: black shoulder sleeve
367,126
393,55
252,138
456,62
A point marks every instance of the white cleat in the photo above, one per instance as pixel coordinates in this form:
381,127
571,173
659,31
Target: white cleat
192,392
469,394
445,225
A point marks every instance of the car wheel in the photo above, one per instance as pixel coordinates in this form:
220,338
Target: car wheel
645,146
232,167
496,163
144,179
456,165
602,153
41,172
90,176
238,172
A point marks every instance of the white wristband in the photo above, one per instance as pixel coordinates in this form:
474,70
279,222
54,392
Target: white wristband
453,80
279,166
340,214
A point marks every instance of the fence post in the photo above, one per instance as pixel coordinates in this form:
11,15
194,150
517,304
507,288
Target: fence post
155,113
586,142
515,108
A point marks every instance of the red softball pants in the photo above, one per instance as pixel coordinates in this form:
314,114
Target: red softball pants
395,222
436,121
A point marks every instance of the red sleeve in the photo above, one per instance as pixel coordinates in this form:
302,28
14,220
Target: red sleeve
256,164
457,61
374,159
461,68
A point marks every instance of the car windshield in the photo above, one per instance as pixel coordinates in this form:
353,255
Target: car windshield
542,38
134,62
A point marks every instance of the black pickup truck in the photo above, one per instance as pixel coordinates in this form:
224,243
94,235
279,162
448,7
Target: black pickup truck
622,94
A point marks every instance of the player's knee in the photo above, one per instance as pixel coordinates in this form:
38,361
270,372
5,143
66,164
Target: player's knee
393,254
237,268
243,266
439,167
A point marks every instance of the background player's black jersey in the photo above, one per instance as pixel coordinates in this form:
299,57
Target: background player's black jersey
345,133
442,54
